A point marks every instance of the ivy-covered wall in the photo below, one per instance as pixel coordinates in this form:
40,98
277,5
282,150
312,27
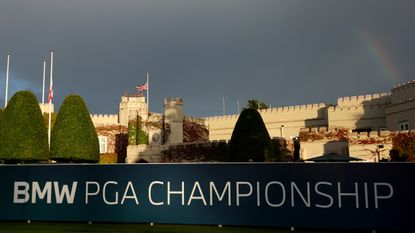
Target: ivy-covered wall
404,143
136,134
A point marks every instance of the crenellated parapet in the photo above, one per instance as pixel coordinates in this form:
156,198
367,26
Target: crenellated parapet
104,119
197,120
356,108
220,118
365,100
403,93
295,108
286,109
155,117
403,86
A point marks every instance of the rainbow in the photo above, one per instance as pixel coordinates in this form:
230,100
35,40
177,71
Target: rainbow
380,56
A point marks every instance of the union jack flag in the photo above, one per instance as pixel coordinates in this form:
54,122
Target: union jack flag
50,91
142,87
50,95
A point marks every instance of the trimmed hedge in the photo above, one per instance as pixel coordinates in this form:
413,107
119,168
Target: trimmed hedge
250,139
74,138
23,135
1,112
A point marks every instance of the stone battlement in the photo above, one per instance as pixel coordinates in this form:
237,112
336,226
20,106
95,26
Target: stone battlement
290,109
137,98
197,120
173,101
374,99
224,117
293,108
104,119
400,87
356,107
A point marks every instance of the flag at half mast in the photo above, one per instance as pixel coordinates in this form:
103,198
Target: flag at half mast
50,91
142,87
50,97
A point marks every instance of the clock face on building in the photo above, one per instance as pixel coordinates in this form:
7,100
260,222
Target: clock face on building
155,137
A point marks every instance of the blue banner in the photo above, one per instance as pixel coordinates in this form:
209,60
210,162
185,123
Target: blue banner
322,195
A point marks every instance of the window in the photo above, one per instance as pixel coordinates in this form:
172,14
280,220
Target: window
403,125
103,144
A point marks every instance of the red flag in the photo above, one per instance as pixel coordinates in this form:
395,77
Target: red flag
50,91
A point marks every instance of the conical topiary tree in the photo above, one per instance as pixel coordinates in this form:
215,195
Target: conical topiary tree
250,139
74,138
1,113
23,135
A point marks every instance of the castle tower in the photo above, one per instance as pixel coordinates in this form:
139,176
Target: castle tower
131,106
173,118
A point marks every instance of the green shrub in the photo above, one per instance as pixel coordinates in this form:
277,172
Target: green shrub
108,158
74,138
250,139
404,144
23,135
280,152
1,112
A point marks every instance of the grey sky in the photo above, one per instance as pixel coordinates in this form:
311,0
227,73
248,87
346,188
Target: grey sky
283,52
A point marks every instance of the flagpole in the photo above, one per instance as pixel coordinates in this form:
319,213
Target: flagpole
7,79
50,95
223,103
148,97
43,87
237,102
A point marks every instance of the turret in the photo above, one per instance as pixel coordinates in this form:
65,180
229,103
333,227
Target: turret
173,119
131,106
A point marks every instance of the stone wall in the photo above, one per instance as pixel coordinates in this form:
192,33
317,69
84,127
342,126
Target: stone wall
281,122
373,99
218,151
104,119
363,145
359,112
313,149
402,108
45,108
145,153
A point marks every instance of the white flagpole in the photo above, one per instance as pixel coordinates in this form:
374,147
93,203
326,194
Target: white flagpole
7,79
237,102
148,97
50,95
43,87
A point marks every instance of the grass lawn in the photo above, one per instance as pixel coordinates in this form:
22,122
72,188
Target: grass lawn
47,227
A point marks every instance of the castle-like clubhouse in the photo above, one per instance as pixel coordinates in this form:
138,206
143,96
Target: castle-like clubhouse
369,114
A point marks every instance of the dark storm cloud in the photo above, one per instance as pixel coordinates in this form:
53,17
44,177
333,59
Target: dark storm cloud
282,52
